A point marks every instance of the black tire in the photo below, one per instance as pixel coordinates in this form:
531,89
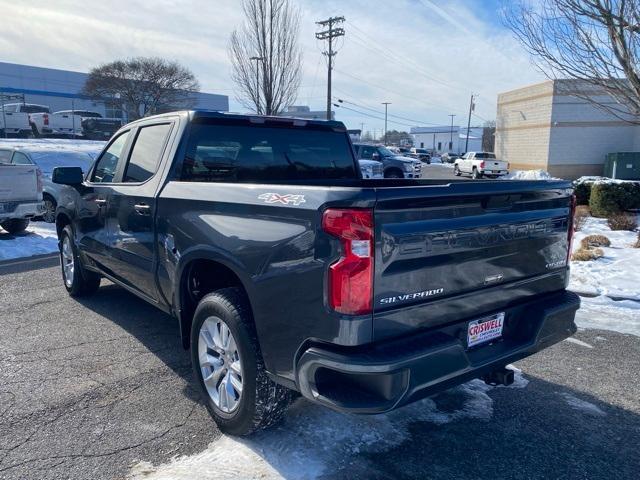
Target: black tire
34,131
475,174
393,173
262,402
50,205
456,171
82,282
15,225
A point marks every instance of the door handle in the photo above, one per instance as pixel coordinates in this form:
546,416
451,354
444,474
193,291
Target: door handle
101,201
142,208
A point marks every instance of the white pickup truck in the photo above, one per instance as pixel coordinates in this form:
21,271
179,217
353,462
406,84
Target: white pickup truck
13,123
43,123
479,164
20,191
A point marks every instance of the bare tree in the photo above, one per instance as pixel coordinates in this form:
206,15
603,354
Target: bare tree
489,136
595,43
143,86
269,35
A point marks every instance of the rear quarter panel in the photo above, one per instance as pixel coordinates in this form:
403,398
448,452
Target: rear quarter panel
277,250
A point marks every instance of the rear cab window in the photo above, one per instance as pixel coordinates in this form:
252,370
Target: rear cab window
266,154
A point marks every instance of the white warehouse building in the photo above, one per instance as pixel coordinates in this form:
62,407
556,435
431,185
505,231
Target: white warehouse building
447,139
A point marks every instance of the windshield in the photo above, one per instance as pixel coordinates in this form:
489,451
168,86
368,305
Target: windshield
385,152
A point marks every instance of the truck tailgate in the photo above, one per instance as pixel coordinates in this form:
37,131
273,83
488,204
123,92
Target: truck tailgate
450,252
18,183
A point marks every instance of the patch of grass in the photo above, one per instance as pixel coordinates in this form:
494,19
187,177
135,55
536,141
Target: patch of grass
591,241
586,255
580,217
622,221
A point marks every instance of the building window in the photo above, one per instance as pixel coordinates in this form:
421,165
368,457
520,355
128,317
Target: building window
450,145
439,146
421,144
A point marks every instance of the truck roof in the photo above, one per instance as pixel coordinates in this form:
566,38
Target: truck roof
251,118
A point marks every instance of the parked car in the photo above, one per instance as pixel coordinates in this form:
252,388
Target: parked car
421,154
371,169
449,157
478,164
395,166
46,161
20,191
93,126
289,273
14,123
43,123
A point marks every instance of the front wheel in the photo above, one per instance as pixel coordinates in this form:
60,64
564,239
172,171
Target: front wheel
229,367
476,174
393,174
456,171
77,280
50,205
15,225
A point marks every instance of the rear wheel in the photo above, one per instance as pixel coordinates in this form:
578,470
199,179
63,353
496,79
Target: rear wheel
15,225
77,280
476,174
229,367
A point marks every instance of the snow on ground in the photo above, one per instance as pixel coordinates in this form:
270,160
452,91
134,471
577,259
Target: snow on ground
613,281
582,405
91,147
528,175
313,440
617,274
39,238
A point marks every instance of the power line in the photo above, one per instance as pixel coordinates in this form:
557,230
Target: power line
416,122
329,35
370,116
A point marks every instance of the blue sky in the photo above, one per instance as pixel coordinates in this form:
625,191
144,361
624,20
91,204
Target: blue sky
424,56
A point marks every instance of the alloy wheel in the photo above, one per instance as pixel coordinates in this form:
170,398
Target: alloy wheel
68,266
220,364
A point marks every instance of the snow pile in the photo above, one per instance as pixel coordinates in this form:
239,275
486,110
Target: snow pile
582,405
528,175
90,147
38,239
595,179
314,441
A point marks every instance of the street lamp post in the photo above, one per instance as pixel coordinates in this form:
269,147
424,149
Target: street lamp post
451,133
257,59
386,105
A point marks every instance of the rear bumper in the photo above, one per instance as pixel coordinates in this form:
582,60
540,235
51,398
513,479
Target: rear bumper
20,210
381,377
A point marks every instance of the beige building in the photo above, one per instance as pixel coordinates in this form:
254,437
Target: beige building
544,126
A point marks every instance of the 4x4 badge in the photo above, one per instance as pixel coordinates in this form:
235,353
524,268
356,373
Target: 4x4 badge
285,199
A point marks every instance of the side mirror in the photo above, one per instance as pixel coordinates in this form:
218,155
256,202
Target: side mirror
375,156
67,175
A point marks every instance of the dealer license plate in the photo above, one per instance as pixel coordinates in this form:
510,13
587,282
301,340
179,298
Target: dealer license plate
485,329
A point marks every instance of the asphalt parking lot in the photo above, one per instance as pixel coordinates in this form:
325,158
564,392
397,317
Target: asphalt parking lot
92,388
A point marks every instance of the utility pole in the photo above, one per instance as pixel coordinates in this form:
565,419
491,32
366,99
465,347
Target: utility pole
386,105
472,106
451,133
329,34
257,59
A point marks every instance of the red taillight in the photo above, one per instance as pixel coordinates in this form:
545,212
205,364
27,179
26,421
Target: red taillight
571,231
482,164
39,180
351,278
45,117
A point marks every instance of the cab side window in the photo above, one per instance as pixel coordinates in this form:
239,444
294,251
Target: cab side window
20,159
108,163
367,152
146,153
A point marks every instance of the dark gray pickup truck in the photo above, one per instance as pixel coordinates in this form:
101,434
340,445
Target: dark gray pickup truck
288,272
